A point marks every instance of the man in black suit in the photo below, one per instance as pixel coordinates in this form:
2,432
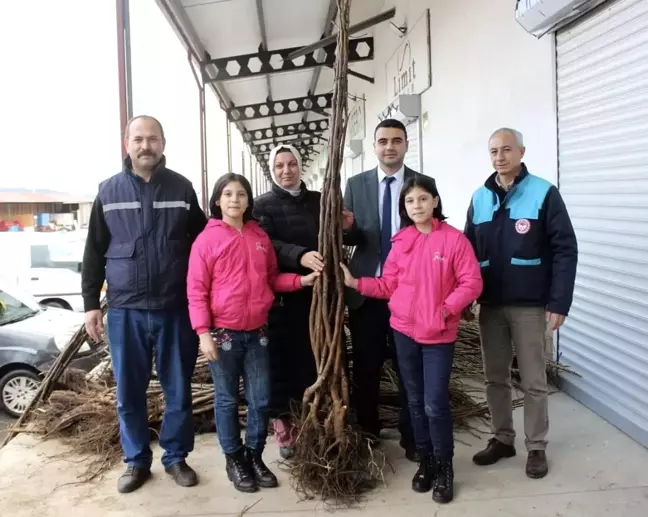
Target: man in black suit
371,202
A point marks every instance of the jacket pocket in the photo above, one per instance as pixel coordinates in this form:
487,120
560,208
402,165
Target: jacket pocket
402,304
175,277
121,267
528,280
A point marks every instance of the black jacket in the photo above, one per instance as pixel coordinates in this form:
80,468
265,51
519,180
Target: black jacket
525,244
139,238
292,222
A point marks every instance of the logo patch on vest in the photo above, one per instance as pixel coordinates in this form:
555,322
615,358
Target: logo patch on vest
522,226
261,247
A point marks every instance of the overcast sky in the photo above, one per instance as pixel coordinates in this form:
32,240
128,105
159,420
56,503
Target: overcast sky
59,97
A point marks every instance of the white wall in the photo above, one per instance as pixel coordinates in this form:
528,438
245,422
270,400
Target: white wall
164,87
486,73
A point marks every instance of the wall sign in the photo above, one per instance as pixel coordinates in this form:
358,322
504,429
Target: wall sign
356,126
409,69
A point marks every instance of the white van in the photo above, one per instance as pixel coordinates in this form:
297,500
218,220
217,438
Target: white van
47,265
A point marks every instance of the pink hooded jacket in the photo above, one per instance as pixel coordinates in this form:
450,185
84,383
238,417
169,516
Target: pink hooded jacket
424,276
232,276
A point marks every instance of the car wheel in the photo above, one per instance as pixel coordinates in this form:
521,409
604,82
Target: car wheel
17,388
57,305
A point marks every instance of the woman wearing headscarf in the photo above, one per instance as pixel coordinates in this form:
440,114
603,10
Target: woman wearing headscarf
289,213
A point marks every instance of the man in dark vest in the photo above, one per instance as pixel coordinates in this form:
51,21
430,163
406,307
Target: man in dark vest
371,203
143,223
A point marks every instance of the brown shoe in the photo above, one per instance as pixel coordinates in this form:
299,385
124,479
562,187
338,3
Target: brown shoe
494,451
536,466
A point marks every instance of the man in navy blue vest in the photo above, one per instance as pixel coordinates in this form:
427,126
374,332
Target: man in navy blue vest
143,223
525,242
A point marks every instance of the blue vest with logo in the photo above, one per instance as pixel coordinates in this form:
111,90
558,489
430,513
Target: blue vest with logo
511,241
147,258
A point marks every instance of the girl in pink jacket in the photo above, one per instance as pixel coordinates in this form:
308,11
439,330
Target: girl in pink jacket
430,276
232,275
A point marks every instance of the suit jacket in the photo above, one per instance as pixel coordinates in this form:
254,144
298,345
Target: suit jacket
361,198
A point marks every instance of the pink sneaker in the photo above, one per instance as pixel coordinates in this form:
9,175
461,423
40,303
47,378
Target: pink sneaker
286,435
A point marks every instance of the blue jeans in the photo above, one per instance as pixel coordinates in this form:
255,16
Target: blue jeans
425,370
241,354
135,336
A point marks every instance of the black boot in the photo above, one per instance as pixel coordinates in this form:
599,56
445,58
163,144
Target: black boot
239,472
443,491
422,480
262,474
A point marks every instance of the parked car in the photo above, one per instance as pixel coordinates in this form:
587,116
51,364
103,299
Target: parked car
47,266
31,338
54,287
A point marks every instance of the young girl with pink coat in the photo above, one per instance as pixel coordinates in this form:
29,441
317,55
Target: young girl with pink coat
231,281
430,276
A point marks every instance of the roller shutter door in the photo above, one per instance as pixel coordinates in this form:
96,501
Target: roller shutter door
602,101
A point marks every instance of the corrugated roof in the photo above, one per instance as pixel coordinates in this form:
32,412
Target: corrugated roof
241,46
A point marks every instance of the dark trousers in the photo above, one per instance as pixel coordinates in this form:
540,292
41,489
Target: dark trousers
136,336
425,370
241,354
292,364
370,335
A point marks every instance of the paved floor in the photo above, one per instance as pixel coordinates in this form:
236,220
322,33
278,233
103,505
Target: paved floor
5,421
595,471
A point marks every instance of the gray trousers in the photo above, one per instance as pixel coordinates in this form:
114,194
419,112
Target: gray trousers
523,330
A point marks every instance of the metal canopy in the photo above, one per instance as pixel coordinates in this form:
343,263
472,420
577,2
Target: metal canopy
271,62
242,49
314,127
315,103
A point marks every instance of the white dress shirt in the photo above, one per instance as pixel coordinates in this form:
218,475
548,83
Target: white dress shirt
396,187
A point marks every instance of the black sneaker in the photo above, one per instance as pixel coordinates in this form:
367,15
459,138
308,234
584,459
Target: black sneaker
422,480
132,479
494,451
182,474
536,466
239,472
262,474
443,489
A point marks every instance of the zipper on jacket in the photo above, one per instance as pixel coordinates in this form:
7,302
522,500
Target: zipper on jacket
247,284
499,267
411,311
146,264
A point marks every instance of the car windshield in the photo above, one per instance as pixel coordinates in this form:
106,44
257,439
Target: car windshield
60,251
13,309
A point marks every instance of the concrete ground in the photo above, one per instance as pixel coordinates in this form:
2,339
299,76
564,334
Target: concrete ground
594,470
5,422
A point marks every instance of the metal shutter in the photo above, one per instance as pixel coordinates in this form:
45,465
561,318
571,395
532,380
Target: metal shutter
413,156
602,100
